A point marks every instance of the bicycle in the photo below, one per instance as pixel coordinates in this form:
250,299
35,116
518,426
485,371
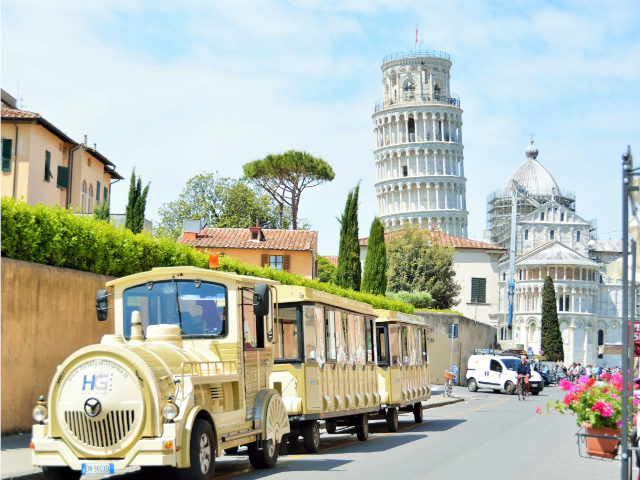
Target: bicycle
448,384
522,390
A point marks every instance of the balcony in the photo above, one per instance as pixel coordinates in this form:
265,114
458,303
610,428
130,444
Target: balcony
417,138
414,99
417,54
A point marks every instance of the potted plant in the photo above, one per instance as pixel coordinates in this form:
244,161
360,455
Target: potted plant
598,407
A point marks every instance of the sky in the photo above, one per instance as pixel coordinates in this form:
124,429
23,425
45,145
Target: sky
175,89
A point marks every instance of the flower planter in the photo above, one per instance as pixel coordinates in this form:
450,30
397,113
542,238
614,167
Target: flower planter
602,447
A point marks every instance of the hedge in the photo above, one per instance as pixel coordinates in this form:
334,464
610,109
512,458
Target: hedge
58,237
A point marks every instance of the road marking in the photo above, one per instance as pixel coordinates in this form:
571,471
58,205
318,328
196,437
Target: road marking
474,410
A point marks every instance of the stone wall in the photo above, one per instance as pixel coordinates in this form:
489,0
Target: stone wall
471,335
47,314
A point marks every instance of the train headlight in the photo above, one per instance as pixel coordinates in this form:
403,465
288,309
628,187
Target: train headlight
170,411
39,413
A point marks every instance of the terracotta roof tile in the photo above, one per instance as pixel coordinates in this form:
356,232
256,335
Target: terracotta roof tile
332,258
445,239
15,113
292,240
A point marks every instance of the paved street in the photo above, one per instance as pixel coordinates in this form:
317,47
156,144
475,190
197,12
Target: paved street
488,436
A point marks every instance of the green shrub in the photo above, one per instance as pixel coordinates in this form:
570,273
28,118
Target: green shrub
417,299
58,237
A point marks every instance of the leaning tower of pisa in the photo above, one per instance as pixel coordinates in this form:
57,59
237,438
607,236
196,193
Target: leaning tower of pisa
418,145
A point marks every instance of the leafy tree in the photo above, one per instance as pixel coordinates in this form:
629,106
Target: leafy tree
102,212
326,270
374,279
136,205
417,262
349,273
221,203
551,335
285,176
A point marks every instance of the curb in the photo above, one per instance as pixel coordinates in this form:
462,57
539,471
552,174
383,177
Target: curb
442,404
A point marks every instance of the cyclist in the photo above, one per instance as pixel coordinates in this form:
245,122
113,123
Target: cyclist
524,370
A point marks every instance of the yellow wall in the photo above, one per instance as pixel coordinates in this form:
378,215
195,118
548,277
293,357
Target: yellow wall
302,263
47,314
33,141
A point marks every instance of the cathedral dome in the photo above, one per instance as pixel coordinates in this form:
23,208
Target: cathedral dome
532,176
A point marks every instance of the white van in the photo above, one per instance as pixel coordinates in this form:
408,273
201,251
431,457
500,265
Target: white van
498,372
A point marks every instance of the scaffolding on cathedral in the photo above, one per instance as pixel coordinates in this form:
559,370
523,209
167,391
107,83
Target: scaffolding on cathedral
500,203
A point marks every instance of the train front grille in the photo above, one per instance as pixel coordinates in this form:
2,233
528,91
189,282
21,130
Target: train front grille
106,432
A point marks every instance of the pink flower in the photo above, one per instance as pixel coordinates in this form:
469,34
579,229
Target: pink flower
565,384
584,379
538,410
605,376
603,408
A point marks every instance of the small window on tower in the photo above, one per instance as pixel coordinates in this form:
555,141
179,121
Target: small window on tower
551,234
404,171
526,234
578,236
541,215
562,216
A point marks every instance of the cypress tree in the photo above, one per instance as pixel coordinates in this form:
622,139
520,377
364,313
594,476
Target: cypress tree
551,335
349,274
374,279
134,214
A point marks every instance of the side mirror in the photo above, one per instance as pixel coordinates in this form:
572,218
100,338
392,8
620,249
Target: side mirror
102,305
261,299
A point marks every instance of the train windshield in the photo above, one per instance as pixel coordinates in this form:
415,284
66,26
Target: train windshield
198,308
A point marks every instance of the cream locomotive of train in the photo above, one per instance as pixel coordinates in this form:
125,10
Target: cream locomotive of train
203,362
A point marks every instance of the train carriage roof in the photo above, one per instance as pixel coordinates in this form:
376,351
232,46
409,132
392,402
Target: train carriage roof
161,273
399,317
294,293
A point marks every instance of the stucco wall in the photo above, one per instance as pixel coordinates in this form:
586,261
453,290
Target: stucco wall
471,335
47,313
302,263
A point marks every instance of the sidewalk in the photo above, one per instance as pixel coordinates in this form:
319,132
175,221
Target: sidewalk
16,455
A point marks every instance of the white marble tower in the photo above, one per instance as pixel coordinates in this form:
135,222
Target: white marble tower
418,145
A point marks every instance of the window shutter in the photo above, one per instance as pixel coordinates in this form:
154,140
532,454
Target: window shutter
474,290
63,177
97,192
106,192
7,143
47,166
286,263
264,260
482,290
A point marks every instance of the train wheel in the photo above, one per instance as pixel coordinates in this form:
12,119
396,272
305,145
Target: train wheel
362,426
265,457
60,473
311,435
417,412
330,426
203,452
392,419
231,450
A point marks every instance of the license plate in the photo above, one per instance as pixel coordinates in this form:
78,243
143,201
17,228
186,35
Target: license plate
535,384
89,468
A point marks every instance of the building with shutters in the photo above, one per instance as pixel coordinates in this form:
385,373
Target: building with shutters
476,267
419,160
42,164
294,251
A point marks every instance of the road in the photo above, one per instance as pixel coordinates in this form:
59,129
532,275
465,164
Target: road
489,436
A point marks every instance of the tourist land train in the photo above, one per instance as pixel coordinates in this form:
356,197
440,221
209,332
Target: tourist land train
202,362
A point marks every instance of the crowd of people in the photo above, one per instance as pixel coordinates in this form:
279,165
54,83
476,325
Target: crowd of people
575,370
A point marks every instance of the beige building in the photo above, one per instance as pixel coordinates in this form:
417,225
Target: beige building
294,251
42,164
476,267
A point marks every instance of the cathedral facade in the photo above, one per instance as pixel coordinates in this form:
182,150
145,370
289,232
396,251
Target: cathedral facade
553,240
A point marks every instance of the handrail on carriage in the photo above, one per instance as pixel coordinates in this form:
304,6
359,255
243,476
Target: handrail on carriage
204,369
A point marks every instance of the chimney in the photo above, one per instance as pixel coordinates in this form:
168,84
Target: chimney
256,232
191,228
85,140
95,146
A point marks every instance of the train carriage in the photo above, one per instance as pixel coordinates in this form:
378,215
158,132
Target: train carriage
184,377
325,366
403,364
